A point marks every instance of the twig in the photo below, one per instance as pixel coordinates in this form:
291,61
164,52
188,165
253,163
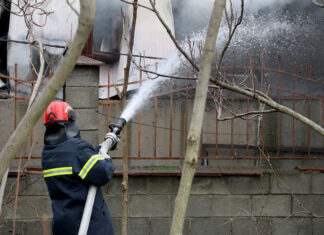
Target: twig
231,32
139,5
171,36
287,187
72,8
165,75
254,113
30,43
40,74
255,219
318,3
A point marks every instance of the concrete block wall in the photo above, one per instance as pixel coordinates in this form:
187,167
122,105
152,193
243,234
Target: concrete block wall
7,120
81,92
287,202
218,205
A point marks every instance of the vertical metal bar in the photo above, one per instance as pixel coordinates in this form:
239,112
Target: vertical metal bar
218,115
171,117
32,89
262,116
186,118
321,118
294,107
20,158
155,122
15,125
17,193
201,143
253,73
216,127
216,145
262,130
278,114
262,73
247,128
108,100
50,73
16,89
232,128
32,78
139,122
309,108
232,120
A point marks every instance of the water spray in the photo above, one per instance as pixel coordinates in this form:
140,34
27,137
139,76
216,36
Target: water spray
111,140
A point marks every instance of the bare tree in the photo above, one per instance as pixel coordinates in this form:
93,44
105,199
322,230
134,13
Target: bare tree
16,140
193,139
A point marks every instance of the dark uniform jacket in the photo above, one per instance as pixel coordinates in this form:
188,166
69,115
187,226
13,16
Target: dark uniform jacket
69,168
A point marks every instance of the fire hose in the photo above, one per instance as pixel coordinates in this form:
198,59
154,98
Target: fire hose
111,140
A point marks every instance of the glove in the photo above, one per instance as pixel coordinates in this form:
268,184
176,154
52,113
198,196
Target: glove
110,138
106,156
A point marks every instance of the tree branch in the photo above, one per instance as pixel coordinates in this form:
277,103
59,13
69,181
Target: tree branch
26,9
231,31
172,37
139,5
40,74
270,103
319,4
241,115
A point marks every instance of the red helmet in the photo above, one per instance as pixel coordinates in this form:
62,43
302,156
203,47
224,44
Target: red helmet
58,111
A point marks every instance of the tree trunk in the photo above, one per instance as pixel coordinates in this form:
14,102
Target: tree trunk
193,140
16,140
124,138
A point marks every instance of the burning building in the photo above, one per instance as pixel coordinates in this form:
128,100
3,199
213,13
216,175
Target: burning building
283,28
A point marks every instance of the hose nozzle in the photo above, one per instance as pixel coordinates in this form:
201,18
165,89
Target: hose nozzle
118,126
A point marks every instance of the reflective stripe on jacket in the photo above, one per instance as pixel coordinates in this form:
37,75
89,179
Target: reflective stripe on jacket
69,168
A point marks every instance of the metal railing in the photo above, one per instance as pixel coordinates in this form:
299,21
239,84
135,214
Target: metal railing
278,135
295,141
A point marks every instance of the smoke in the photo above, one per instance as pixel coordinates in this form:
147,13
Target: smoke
255,5
190,15
291,29
193,15
108,24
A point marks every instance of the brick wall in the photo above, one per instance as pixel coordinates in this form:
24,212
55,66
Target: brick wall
218,205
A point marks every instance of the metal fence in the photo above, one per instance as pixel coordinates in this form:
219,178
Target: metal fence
279,136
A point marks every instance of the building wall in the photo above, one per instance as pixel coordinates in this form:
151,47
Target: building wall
268,204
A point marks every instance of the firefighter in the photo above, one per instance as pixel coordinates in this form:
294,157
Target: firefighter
70,165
